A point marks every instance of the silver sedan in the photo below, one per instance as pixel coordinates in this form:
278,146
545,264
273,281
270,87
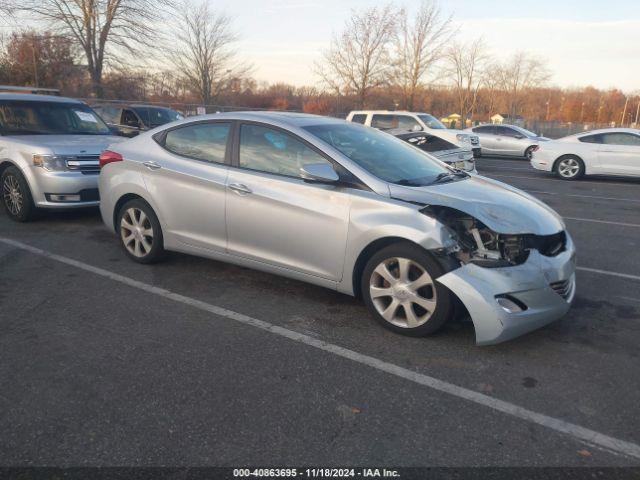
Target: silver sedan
318,199
507,140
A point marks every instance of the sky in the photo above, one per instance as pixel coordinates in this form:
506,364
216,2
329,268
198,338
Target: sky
585,42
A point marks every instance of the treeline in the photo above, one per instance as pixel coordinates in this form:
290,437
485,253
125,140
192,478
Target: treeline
384,58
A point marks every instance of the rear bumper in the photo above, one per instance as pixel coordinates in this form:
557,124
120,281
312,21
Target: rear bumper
529,283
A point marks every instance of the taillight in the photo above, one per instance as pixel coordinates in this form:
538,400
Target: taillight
109,157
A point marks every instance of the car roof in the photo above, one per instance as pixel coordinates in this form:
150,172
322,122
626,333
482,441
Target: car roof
390,112
607,130
288,118
30,97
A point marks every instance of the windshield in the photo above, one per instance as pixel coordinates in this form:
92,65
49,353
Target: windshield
381,154
155,116
528,133
431,122
49,118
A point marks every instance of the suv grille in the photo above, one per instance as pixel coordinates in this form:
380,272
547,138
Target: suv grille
562,288
475,140
87,164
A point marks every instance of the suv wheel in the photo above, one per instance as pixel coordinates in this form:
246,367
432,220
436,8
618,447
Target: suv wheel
140,232
16,195
399,288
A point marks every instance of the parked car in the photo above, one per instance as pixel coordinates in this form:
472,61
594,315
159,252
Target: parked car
611,151
319,200
415,122
439,148
507,140
130,120
49,151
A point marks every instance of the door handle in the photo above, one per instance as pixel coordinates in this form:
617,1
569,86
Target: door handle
240,189
152,165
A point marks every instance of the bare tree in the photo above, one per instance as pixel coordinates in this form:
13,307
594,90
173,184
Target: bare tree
519,73
419,44
358,59
203,51
466,63
101,27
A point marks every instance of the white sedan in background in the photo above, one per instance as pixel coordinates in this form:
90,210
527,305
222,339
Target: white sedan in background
612,151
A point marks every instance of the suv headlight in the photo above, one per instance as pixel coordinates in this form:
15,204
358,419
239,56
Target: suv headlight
50,163
464,138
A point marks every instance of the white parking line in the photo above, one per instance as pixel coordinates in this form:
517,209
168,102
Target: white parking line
605,222
577,432
607,272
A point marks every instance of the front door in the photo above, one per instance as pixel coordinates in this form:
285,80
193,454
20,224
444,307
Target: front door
619,153
275,217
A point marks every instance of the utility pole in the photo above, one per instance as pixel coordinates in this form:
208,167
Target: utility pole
35,64
637,114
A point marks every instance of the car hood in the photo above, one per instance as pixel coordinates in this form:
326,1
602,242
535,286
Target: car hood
68,144
502,208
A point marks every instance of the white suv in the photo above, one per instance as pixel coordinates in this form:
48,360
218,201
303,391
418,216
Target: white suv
415,122
49,151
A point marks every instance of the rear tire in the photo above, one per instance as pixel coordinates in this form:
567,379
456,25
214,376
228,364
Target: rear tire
140,232
16,195
399,287
569,167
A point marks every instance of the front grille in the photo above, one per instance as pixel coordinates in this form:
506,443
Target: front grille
562,288
87,164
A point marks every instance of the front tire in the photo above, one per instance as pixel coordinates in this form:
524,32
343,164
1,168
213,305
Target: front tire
528,153
140,232
569,167
399,287
16,195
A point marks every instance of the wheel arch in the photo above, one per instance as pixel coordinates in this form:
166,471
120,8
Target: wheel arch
378,244
121,201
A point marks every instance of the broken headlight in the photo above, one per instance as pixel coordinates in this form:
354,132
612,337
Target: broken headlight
479,244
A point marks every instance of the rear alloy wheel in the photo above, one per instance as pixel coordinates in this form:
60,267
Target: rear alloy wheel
140,232
569,168
399,287
16,196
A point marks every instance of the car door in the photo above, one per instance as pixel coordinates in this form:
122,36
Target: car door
274,216
130,124
619,153
510,141
488,139
187,181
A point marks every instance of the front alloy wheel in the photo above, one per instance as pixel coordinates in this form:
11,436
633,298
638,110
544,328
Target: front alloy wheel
16,195
399,287
570,168
403,292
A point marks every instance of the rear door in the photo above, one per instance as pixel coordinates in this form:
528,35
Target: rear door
188,183
619,153
509,141
275,217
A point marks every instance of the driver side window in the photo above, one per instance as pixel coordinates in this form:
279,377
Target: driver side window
129,119
273,151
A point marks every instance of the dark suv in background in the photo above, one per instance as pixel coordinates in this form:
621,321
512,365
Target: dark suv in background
130,120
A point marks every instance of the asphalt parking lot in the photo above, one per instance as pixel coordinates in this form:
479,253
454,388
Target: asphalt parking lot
195,362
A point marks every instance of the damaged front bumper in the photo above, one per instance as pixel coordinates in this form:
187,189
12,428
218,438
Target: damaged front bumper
545,286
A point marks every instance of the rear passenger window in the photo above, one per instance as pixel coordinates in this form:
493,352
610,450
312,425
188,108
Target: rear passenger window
591,139
273,151
359,118
484,129
621,138
201,141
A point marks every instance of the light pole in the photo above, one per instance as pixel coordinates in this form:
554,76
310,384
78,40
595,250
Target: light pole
624,112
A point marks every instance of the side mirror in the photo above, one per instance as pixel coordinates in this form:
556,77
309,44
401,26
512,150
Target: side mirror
416,128
519,137
319,173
